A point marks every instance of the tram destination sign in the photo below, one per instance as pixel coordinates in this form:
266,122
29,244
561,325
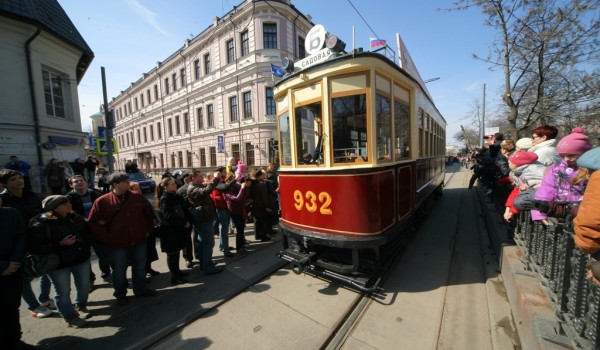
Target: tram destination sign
316,58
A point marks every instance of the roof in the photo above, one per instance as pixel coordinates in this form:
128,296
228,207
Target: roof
50,16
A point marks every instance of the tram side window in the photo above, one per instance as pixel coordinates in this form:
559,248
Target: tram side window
349,121
384,128
285,138
309,133
401,129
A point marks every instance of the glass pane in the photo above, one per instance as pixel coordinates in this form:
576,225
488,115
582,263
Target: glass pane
349,119
309,134
285,139
401,130
384,128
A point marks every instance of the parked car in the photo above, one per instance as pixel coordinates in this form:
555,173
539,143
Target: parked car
145,181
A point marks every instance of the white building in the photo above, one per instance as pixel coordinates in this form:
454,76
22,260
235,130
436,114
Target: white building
212,99
42,60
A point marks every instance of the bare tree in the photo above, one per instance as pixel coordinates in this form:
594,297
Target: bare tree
548,51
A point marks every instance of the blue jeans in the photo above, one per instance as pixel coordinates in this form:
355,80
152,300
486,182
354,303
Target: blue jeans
29,296
62,286
121,257
205,244
91,178
224,219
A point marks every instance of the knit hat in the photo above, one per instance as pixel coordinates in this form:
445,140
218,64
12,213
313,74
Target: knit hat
574,143
241,167
590,159
524,144
52,202
522,158
115,178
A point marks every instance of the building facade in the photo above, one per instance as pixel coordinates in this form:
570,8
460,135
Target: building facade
213,98
43,58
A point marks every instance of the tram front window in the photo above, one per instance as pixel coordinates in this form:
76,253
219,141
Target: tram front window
285,143
349,121
309,133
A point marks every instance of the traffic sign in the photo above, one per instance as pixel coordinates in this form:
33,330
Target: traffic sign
220,143
102,132
102,146
92,140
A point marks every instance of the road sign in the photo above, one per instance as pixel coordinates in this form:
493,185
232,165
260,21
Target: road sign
491,131
101,146
93,140
220,143
102,132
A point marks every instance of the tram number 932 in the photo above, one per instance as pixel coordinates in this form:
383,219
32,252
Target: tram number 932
312,202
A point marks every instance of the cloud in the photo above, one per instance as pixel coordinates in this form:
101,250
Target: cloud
146,15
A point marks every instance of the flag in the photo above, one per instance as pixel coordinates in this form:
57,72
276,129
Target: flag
377,42
277,71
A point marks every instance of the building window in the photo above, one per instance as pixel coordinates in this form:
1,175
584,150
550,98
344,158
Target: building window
210,118
162,160
173,160
249,153
151,132
207,64
200,117
149,96
188,159
245,43
135,103
197,69
170,127
53,94
301,49
159,130
186,123
166,86
174,81
177,125
127,138
182,77
235,150
139,137
230,51
269,101
145,135
142,99
269,36
202,157
247,104
129,107
155,92
233,109
213,156
180,158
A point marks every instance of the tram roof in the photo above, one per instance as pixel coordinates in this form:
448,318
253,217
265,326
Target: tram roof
352,55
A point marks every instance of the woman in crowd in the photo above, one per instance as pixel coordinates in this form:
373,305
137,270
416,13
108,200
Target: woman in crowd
236,203
587,221
564,182
543,139
62,231
151,253
174,217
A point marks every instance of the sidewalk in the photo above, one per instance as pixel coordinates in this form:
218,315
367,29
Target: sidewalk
144,320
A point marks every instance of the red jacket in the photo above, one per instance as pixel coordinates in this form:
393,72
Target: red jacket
218,198
118,228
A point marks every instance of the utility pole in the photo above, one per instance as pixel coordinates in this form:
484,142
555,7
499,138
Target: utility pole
482,130
109,121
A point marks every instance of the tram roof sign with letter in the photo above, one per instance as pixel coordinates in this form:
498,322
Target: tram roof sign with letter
317,57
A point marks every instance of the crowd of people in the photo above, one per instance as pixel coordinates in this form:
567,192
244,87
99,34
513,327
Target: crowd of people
552,178
189,213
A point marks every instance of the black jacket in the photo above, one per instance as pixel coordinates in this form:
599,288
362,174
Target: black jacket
174,216
76,202
29,205
46,231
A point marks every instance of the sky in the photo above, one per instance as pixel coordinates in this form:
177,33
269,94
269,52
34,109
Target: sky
128,37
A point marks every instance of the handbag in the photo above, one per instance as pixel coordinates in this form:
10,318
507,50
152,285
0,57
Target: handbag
39,265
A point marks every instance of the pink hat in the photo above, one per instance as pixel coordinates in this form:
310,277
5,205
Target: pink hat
522,158
574,143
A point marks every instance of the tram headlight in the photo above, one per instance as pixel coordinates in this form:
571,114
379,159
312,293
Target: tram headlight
288,65
335,44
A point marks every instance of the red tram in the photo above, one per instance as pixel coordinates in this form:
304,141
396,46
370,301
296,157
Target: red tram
361,150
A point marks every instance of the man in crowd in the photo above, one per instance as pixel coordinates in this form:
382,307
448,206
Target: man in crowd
21,166
90,166
189,250
122,220
82,198
199,197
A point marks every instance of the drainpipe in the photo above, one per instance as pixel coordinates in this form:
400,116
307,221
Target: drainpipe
36,117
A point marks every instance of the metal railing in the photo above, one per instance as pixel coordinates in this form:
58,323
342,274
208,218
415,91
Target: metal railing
550,251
